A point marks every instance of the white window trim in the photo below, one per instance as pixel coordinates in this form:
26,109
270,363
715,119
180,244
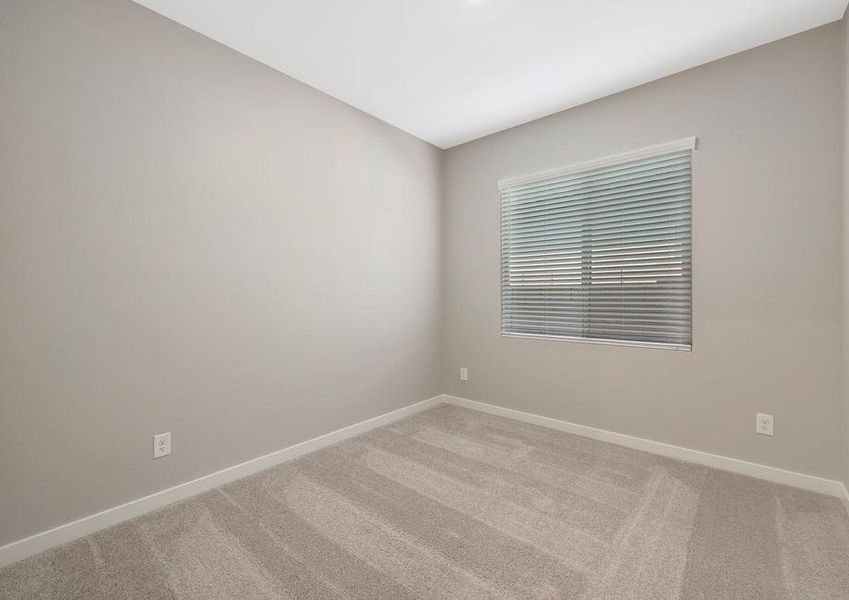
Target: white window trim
600,341
688,143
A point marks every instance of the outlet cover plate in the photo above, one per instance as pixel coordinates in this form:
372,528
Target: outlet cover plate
161,445
764,424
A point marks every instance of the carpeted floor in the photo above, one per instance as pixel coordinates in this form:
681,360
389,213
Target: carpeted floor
453,503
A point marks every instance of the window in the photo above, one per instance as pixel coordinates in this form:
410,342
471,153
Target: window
601,251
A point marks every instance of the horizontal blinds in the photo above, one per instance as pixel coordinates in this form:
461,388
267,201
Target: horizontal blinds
600,254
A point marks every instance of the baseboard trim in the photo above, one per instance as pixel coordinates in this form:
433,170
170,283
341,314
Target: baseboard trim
791,478
68,532
62,534
845,498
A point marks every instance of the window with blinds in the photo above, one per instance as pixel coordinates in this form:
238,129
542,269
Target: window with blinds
601,251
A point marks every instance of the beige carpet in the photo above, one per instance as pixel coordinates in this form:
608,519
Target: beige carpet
453,503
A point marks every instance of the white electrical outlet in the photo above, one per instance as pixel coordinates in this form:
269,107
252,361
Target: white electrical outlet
763,424
161,445
464,374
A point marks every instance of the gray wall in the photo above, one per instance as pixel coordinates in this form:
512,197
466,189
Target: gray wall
191,242
845,298
767,262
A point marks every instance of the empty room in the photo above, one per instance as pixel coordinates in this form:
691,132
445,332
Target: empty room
446,299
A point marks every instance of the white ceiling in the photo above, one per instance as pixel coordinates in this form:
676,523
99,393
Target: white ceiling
449,71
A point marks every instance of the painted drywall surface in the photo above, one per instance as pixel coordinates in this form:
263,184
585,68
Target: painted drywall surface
191,242
766,263
845,297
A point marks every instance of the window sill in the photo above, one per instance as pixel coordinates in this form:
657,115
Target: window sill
602,342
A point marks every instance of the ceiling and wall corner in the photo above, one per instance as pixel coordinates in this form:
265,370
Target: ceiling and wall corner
450,71
158,196
767,262
154,220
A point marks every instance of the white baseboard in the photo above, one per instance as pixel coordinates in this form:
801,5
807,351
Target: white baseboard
70,531
845,498
742,467
76,529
